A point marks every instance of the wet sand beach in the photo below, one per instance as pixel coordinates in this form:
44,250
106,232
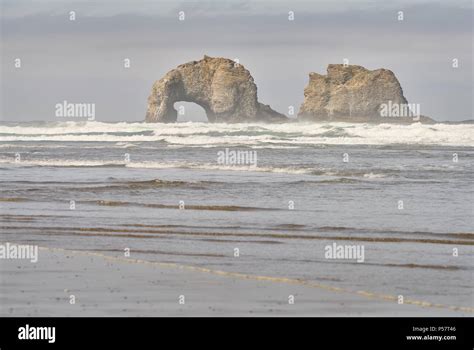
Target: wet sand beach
112,286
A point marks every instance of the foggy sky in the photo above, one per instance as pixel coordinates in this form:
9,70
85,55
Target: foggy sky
82,60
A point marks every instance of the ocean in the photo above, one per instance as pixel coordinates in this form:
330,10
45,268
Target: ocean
403,193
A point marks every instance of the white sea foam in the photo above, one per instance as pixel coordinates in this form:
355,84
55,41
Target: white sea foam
373,176
60,163
251,135
161,165
153,165
208,166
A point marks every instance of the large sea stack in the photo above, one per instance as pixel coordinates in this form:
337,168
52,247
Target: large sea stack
224,88
351,93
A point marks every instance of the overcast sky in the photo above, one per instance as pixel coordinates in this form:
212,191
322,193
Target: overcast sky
82,60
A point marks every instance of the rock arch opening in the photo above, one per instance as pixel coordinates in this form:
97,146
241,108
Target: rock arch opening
190,112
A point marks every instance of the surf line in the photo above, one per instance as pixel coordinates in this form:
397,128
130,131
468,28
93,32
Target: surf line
243,276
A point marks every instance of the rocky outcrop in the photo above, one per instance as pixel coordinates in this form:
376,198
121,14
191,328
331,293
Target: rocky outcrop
354,94
224,88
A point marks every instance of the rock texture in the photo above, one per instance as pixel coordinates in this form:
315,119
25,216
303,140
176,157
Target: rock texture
224,88
353,94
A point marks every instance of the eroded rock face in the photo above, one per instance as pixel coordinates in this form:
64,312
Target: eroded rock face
354,94
224,88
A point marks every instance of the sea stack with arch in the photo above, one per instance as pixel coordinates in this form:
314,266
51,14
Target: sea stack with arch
222,87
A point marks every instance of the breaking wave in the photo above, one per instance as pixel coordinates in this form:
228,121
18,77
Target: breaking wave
251,135
194,166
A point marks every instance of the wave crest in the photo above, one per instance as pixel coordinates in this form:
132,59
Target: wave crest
251,135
